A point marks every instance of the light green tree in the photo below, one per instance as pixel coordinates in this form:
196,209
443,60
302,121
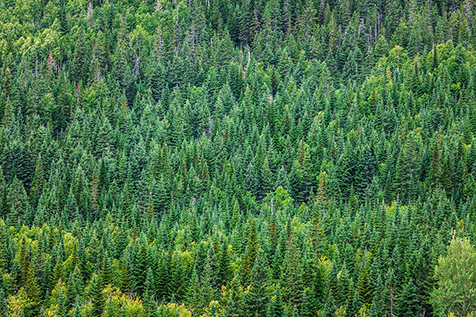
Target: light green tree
456,279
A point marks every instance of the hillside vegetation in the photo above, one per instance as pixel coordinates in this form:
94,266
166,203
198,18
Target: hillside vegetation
275,158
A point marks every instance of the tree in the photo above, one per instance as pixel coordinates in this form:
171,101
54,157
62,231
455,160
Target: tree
406,169
330,307
363,286
80,58
353,306
33,292
255,299
17,202
149,302
435,167
3,304
194,296
293,272
61,306
210,276
224,270
77,310
250,257
373,310
409,304
275,308
139,273
455,274
97,297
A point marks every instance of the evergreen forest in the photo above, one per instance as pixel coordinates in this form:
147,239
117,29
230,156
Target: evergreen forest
237,158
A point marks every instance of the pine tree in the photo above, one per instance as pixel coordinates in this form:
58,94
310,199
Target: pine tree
17,203
282,179
363,287
140,267
79,57
194,295
295,312
317,294
353,306
406,170
74,287
347,169
390,289
33,291
251,180
409,304
110,308
105,273
149,303
256,299
61,306
3,304
293,273
373,310
77,310
97,297
210,276
334,186
250,256
224,269
329,307
435,167
434,58
230,309
275,308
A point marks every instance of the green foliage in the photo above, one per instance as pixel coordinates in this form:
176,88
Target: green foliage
454,273
236,158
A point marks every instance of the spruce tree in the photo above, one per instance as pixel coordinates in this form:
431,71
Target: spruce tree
224,270
409,304
61,309
97,297
3,304
353,306
275,307
149,294
250,256
329,307
256,299
77,310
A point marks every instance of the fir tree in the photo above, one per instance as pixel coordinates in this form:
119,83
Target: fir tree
255,300
408,301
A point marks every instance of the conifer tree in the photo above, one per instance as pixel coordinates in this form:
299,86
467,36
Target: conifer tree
256,299
3,304
329,307
150,305
77,310
97,298
363,287
194,295
275,308
251,255
33,291
239,159
79,57
17,202
139,273
210,278
408,301
61,306
354,305
293,273
224,270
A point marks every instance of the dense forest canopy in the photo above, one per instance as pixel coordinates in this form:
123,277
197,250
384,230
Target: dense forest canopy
275,158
